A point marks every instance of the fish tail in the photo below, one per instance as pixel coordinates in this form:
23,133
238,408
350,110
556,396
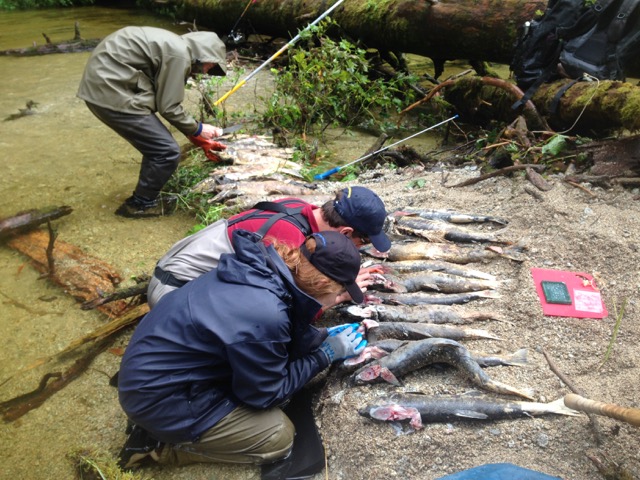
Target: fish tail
558,406
477,333
514,252
388,376
500,387
486,294
476,316
518,358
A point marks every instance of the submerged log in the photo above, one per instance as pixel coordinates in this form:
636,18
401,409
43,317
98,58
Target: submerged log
81,275
77,44
66,46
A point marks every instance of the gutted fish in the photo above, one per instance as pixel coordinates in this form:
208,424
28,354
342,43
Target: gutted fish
421,298
404,313
382,348
415,266
417,331
421,409
454,217
449,252
434,281
415,355
438,231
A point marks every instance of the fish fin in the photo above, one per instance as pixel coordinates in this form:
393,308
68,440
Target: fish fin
519,358
487,294
471,414
389,377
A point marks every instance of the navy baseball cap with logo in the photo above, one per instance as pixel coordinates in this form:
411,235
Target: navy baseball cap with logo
338,258
363,210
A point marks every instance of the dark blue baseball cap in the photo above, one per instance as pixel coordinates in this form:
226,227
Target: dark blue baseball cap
363,211
338,258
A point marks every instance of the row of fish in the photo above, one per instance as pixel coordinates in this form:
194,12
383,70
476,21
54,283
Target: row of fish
434,264
434,249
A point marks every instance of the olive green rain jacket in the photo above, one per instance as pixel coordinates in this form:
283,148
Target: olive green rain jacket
143,70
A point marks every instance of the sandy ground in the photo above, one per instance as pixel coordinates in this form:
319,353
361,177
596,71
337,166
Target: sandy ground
567,229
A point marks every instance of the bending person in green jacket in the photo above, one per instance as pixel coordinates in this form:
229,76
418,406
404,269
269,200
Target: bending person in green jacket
137,72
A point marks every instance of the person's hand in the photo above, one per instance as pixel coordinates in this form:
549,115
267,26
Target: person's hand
344,341
209,147
365,278
209,131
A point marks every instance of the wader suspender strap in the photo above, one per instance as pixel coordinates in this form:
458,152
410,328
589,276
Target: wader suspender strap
292,215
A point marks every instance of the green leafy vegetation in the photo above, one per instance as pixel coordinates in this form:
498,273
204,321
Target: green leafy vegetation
328,83
30,4
93,464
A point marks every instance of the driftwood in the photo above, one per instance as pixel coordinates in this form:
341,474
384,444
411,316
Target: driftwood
29,219
77,44
496,173
105,332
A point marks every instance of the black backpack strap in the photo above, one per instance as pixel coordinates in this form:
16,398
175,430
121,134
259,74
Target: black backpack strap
617,25
546,75
292,215
553,108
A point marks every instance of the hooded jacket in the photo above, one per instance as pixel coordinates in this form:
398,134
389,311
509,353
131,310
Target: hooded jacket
239,334
143,70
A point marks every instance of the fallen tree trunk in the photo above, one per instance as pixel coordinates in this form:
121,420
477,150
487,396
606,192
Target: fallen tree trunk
596,109
482,30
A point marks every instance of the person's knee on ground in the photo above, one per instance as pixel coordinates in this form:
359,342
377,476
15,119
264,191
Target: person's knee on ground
244,436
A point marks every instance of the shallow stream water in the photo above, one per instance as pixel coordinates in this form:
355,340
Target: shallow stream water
62,155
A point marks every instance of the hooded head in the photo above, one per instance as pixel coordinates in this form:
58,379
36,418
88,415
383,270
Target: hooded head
336,257
364,211
206,47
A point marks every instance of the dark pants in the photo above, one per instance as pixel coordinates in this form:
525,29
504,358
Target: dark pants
160,152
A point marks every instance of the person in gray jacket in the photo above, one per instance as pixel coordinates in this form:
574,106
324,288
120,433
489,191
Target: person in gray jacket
137,72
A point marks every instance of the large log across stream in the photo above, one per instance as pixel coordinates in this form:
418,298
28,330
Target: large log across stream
481,30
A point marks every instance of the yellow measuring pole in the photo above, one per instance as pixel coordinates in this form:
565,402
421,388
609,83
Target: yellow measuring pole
276,55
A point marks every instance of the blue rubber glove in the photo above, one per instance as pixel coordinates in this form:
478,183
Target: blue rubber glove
343,342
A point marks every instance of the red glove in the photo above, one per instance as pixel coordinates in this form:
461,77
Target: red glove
209,147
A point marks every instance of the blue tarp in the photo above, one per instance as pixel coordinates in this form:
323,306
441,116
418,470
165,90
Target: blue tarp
498,471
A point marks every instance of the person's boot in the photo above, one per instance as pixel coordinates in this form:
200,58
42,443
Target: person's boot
139,446
139,207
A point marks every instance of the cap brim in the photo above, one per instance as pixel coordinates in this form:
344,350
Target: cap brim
355,292
381,242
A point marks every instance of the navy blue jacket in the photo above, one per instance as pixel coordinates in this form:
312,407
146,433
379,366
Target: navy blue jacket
239,334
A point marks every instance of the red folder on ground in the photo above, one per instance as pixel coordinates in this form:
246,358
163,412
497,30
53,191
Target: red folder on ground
568,294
